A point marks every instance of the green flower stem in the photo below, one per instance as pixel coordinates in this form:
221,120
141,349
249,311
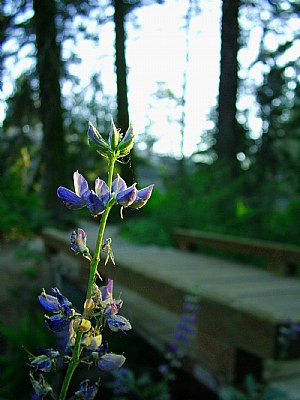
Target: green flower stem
96,259
93,270
71,367
97,255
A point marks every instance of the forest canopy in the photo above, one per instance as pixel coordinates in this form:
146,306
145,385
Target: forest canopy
243,175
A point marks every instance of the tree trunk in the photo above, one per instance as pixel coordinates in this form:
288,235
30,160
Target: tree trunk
121,9
49,71
226,141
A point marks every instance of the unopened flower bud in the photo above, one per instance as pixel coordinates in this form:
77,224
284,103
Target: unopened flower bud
89,306
78,241
97,141
114,136
95,342
126,144
82,325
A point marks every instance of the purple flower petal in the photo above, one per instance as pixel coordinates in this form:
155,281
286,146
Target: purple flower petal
95,137
41,387
42,363
56,323
94,204
142,197
126,197
101,190
110,362
64,304
80,185
117,322
78,241
69,198
87,391
118,185
107,291
48,302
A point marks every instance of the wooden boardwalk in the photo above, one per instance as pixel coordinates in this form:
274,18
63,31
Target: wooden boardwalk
243,310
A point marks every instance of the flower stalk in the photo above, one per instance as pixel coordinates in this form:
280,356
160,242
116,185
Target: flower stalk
85,330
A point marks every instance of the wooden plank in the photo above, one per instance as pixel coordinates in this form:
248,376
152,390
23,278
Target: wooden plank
281,257
241,307
217,356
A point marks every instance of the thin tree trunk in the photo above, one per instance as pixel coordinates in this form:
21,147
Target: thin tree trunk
49,70
226,144
121,9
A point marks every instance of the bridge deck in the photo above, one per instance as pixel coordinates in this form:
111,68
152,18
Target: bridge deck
242,307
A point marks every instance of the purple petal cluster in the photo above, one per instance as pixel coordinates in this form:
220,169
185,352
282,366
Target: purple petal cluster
87,390
130,196
45,360
110,308
109,362
96,200
78,242
61,308
41,387
184,331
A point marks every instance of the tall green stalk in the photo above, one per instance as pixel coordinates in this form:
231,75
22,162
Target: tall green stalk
93,271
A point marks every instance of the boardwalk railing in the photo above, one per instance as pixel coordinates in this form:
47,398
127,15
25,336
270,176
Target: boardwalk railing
245,313
281,258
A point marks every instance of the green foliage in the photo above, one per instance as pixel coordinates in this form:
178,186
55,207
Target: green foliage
16,342
21,212
254,391
211,201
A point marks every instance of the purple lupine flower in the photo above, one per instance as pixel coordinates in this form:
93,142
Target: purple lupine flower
98,199
109,362
45,360
75,200
55,303
123,195
181,338
142,196
102,349
118,323
101,190
62,308
48,302
107,291
64,304
42,363
87,390
126,197
94,204
41,387
56,323
113,307
78,241
118,185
